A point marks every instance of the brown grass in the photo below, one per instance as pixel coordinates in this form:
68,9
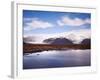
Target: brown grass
30,48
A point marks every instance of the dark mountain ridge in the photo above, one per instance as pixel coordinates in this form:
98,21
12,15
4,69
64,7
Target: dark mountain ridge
59,41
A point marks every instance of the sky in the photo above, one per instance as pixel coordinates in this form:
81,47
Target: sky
54,23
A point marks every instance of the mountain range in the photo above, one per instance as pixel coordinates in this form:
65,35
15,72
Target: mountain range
72,37
64,41
60,41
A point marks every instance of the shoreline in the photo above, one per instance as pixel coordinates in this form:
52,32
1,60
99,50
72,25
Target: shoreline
33,48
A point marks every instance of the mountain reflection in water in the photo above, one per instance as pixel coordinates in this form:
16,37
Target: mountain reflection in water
53,59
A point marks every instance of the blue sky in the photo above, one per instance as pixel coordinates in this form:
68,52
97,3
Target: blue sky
46,22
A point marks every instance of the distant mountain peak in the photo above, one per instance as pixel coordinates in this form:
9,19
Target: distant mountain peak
61,41
86,41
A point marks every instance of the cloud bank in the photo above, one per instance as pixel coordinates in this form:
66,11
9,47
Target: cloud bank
76,36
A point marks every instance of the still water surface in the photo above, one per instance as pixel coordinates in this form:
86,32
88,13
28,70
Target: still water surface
53,59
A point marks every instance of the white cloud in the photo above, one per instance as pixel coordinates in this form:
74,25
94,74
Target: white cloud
35,23
73,22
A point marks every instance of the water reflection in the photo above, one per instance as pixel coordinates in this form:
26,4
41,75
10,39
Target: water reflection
52,59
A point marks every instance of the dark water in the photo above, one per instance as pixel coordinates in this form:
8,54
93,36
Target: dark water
53,59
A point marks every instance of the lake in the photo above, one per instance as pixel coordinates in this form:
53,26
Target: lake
55,59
